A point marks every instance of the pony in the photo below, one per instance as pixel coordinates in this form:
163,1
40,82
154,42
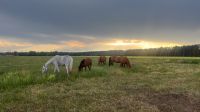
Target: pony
57,61
87,62
124,61
113,59
102,60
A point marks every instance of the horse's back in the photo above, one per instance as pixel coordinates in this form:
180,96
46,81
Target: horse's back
88,61
67,58
102,58
64,59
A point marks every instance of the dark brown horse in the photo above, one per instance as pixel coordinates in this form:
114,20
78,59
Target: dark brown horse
125,62
114,59
87,62
102,60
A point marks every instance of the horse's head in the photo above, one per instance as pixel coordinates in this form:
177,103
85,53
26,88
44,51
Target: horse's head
81,65
130,65
44,69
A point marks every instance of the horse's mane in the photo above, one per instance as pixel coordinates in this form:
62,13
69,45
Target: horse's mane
82,62
49,61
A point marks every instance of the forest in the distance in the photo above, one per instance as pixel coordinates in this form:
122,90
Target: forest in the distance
190,51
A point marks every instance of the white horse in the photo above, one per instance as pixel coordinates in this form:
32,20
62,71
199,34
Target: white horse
59,61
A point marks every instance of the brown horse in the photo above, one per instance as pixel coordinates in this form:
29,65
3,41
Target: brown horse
125,62
102,60
111,60
114,59
87,62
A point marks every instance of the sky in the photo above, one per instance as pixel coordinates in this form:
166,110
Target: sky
90,25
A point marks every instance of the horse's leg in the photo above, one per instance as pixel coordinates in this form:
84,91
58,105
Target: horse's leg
90,67
85,68
54,69
67,69
57,67
70,71
122,65
110,63
127,64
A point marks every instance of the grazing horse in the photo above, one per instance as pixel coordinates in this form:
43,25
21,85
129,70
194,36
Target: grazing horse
115,59
111,60
59,61
87,62
102,60
125,62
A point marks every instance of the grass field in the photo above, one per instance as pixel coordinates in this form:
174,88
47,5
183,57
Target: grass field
154,84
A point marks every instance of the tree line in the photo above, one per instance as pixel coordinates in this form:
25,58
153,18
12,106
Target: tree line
192,50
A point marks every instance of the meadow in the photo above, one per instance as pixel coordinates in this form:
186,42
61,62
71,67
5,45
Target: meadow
153,84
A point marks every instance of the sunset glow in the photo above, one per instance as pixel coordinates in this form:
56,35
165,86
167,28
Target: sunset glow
75,45
131,44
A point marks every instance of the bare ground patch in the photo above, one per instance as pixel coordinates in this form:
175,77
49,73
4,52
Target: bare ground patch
174,102
165,101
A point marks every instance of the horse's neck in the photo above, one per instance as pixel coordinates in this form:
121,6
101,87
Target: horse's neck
48,62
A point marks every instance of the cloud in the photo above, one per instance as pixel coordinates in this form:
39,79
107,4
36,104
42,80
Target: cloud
74,44
88,21
10,44
6,45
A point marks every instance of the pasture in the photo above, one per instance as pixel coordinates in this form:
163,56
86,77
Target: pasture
153,84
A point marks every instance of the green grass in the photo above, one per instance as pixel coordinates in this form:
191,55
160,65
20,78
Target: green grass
143,88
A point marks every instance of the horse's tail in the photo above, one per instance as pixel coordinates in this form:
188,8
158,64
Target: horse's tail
71,64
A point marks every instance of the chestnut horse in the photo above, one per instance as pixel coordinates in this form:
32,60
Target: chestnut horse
87,62
102,60
125,62
115,59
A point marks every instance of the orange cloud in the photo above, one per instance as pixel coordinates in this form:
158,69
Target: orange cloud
5,43
42,47
74,44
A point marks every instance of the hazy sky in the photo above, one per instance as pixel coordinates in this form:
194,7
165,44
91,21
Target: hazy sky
82,25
